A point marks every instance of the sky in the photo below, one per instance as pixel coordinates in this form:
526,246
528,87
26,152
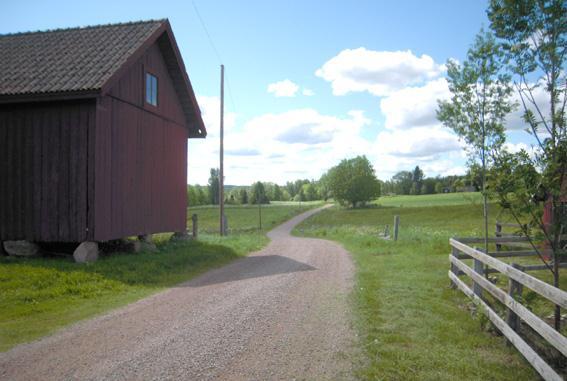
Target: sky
308,83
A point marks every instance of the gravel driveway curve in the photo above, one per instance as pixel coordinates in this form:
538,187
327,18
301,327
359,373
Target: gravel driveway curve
279,314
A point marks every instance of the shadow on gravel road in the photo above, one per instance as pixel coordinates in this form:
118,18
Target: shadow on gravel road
252,267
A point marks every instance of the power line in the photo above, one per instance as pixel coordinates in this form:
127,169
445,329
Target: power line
213,46
207,32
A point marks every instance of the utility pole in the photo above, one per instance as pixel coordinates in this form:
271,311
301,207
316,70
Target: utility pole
221,174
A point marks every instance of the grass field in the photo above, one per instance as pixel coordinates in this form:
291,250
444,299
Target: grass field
412,325
41,295
246,218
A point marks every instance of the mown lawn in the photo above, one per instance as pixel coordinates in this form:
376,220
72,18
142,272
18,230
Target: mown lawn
40,295
412,325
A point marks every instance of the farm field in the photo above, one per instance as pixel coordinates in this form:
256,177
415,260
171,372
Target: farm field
412,325
41,295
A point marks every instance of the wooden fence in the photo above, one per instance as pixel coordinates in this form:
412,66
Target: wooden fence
489,263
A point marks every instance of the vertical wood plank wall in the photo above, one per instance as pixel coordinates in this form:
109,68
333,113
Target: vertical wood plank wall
140,156
140,178
97,169
43,170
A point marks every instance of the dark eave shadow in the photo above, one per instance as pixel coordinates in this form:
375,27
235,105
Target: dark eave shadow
251,267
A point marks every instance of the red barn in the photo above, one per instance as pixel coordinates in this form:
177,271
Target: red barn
94,124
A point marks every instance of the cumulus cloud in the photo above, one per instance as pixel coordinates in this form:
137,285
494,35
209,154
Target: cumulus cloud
308,92
414,106
377,72
418,142
285,88
279,146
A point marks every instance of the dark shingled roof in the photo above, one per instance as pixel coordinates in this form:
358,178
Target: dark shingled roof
62,60
81,62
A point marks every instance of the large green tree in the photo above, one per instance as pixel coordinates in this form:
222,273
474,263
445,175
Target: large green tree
353,181
480,101
258,194
533,34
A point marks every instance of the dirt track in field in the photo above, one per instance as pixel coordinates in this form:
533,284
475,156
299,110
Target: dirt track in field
279,314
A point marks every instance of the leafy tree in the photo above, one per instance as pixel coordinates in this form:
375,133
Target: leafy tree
214,186
479,103
277,193
323,184
258,194
191,196
243,196
534,37
300,196
310,191
439,187
353,181
428,186
403,181
417,178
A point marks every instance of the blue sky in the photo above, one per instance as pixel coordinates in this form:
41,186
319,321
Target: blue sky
346,78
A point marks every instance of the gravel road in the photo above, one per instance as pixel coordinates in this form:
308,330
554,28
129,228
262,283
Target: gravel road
279,314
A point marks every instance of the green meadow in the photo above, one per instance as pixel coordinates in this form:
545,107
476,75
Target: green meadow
412,325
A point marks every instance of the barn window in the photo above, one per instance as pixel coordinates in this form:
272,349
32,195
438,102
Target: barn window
151,89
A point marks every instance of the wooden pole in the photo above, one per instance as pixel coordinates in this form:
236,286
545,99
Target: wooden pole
478,267
396,227
514,289
221,172
195,220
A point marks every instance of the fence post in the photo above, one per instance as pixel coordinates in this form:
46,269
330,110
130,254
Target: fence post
454,269
396,227
225,225
514,289
498,234
478,267
195,221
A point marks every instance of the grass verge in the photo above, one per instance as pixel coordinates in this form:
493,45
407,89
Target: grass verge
41,295
412,325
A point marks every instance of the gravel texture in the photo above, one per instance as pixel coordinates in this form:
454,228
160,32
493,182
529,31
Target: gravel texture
279,314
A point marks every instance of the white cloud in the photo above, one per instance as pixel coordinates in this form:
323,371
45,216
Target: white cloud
308,92
285,88
377,72
418,142
277,147
414,106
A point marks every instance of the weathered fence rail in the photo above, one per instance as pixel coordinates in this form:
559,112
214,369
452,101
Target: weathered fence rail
516,311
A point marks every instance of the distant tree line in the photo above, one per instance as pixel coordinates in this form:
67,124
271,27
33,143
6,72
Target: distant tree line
259,192
351,182
415,183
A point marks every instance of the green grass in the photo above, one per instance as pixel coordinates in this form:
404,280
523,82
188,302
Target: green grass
246,218
412,325
40,295
444,199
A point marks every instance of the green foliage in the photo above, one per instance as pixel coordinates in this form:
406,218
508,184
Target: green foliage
196,195
214,186
243,196
258,194
353,181
480,97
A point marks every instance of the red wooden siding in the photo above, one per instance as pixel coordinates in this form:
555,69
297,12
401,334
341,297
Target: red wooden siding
140,180
99,169
131,87
43,171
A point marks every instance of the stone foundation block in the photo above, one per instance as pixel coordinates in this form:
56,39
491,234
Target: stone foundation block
86,252
21,248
